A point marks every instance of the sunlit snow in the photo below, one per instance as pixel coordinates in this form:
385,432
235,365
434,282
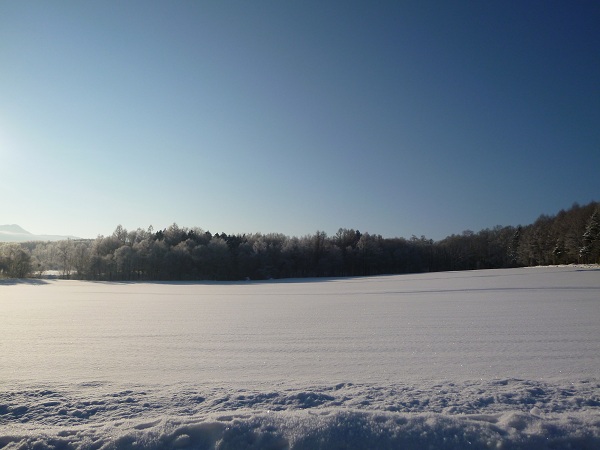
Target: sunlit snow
483,359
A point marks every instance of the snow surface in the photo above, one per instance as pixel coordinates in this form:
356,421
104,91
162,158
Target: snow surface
481,359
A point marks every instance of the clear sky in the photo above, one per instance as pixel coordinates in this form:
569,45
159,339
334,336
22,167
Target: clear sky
392,117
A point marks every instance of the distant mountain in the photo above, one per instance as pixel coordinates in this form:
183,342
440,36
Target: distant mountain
15,233
16,229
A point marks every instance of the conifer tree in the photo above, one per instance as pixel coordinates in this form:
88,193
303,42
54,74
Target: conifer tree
590,251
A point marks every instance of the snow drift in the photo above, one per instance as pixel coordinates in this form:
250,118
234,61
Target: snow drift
498,414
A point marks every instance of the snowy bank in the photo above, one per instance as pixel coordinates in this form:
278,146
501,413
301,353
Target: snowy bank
498,414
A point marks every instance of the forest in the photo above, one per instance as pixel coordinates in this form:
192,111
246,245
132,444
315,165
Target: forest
179,253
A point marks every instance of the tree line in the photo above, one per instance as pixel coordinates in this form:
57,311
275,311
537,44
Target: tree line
179,253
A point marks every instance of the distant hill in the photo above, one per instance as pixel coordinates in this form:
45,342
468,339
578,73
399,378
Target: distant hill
15,233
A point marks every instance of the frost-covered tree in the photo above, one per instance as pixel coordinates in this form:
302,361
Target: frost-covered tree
124,262
15,261
65,257
369,252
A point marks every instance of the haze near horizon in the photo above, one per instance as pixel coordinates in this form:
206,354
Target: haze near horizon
395,118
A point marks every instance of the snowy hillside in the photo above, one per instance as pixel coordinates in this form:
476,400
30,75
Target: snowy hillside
483,359
15,233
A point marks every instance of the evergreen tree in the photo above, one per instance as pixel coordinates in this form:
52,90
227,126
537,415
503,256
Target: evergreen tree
590,251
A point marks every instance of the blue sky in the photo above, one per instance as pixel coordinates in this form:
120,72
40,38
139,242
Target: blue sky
397,118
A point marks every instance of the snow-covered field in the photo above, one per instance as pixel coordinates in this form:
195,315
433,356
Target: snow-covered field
483,359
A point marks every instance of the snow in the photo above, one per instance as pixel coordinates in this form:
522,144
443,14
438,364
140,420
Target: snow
483,359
